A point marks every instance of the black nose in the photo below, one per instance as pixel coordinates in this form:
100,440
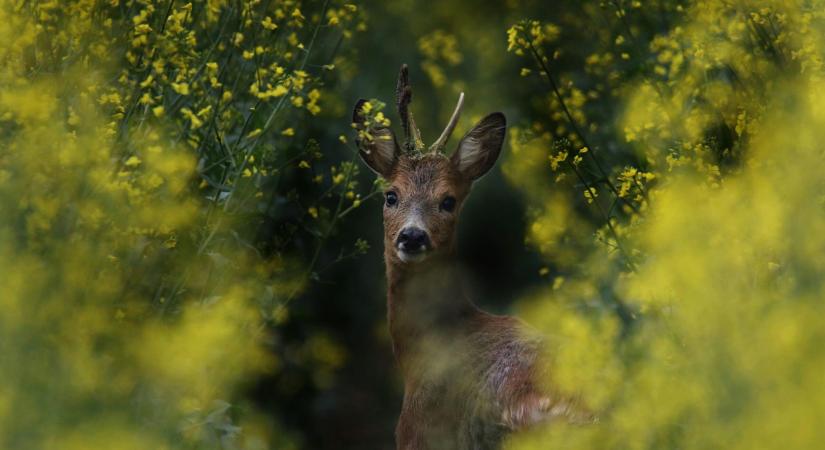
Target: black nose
413,240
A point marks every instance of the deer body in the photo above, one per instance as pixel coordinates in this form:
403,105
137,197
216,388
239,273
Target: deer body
462,367
468,375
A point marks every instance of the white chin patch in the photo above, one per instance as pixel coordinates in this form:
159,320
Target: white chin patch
408,257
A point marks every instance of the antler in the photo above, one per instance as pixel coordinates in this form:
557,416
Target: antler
403,96
412,141
445,136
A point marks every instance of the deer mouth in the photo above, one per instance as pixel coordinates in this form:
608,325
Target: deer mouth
412,255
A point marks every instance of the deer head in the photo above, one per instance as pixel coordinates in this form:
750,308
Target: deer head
426,189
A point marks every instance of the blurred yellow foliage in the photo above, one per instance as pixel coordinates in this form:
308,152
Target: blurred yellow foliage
727,243
128,320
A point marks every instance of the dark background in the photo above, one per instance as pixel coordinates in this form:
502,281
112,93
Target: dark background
359,406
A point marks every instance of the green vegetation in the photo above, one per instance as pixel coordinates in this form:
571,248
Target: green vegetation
191,248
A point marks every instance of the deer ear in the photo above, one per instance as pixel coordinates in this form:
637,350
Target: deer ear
381,152
479,148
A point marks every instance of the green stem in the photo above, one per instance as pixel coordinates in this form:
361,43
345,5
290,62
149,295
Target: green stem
325,235
575,126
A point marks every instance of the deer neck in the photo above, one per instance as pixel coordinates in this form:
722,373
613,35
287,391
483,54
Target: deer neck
425,300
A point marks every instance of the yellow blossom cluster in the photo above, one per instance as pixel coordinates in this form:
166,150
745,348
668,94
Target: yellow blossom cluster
700,325
373,118
439,49
138,136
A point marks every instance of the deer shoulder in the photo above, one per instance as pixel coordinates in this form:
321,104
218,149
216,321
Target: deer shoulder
510,352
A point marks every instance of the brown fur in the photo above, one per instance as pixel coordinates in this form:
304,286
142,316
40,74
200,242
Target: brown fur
423,182
468,375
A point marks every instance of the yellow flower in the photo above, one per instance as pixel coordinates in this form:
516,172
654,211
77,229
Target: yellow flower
73,119
269,24
279,91
181,88
148,81
195,122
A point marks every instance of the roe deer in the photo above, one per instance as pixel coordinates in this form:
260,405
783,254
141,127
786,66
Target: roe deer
468,375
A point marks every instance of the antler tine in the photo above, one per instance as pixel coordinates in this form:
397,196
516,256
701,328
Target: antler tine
403,97
445,136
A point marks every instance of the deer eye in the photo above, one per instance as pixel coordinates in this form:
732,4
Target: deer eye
392,198
448,204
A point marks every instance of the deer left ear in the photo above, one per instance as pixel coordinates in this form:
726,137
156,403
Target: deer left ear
381,151
479,148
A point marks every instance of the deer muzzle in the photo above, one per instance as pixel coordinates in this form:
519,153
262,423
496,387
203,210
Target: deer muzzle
412,244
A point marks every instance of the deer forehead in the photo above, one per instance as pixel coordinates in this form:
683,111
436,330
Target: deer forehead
428,175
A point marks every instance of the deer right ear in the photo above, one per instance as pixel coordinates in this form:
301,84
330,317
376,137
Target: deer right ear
479,148
377,146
